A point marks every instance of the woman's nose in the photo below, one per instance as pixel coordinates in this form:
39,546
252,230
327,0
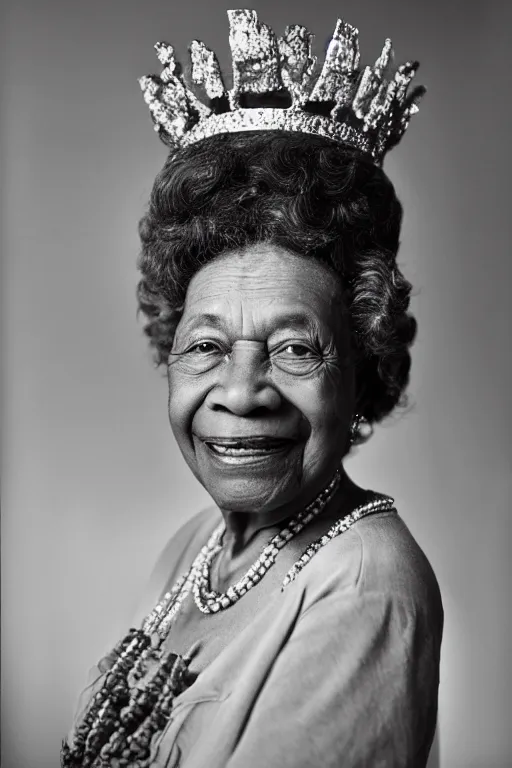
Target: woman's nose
244,385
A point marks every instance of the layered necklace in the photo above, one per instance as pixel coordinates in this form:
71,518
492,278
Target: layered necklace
197,580
122,718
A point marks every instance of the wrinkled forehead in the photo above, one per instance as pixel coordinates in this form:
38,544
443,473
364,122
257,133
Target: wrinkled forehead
266,281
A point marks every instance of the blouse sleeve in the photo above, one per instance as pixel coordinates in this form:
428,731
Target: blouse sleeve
355,686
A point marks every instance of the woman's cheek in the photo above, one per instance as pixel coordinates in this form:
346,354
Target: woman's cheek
319,393
186,393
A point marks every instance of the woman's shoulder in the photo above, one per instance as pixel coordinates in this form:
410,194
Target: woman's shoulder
378,554
392,558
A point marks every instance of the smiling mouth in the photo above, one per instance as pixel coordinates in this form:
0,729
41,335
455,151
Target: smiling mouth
247,447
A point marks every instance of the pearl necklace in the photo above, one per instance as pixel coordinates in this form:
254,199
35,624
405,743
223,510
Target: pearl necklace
197,579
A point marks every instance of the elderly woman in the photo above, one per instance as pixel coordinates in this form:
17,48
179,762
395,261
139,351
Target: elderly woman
297,621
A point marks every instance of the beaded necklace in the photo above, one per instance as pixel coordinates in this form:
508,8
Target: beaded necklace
120,721
197,579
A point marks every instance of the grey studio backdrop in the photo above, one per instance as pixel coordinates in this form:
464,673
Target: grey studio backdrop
93,485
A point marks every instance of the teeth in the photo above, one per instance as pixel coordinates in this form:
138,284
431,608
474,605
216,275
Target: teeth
239,451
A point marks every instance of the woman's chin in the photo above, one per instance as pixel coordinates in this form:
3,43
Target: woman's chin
257,483
250,497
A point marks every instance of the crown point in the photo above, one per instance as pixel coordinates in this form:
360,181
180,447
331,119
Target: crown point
385,57
255,55
145,82
150,86
344,29
206,70
338,77
348,37
165,53
246,13
403,77
364,92
297,62
408,69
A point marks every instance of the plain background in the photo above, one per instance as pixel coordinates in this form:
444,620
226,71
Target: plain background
93,485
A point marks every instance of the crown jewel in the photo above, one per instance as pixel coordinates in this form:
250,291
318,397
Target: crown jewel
367,108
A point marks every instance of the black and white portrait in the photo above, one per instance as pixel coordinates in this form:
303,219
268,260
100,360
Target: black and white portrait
255,424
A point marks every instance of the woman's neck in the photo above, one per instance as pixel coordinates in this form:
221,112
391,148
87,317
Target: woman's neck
245,529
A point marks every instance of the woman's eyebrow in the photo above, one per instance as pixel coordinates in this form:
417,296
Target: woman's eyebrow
295,319
205,318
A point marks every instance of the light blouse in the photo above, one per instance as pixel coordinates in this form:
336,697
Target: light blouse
340,669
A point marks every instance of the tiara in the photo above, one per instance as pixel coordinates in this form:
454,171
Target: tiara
366,108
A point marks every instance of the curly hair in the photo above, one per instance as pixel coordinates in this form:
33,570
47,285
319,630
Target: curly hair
303,193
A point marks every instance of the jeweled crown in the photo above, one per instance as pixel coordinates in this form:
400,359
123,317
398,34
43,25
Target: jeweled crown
367,108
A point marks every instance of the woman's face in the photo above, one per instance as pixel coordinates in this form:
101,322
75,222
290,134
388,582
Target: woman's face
261,383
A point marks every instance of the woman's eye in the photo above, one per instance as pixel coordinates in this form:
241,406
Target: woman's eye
204,348
296,359
296,350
